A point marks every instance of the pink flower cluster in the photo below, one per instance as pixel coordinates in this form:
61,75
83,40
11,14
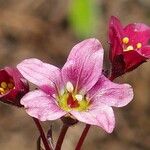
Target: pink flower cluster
79,89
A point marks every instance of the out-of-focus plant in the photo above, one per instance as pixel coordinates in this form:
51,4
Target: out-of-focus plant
83,17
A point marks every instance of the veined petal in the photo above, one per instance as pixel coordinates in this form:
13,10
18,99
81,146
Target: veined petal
145,52
116,27
110,93
100,115
19,81
84,65
41,106
115,37
137,33
39,73
133,59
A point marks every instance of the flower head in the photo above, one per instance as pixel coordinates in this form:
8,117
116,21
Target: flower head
78,89
12,86
129,46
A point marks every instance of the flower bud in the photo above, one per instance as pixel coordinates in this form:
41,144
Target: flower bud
12,86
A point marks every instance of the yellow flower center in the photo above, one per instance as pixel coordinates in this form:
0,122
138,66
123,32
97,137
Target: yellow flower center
6,87
69,100
129,47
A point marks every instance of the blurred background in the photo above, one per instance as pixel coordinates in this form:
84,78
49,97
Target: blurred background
48,29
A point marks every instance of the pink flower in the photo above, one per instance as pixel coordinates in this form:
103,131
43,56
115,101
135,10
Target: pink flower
129,46
12,86
78,89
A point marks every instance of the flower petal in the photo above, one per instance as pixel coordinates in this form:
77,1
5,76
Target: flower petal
133,59
137,33
20,83
116,27
145,52
41,106
110,93
84,65
115,37
100,115
39,73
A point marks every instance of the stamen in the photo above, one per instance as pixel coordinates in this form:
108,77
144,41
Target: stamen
69,87
125,40
4,85
1,90
79,97
139,45
6,90
10,85
129,48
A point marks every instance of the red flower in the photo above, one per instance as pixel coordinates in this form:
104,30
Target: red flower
129,46
12,86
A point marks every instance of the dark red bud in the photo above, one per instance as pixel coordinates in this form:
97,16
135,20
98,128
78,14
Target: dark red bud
12,86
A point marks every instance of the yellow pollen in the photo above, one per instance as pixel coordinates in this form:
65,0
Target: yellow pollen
139,45
125,40
1,89
129,48
4,85
2,93
10,85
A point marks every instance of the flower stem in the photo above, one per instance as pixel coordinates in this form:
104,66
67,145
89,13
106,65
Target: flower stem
83,136
86,129
44,139
61,136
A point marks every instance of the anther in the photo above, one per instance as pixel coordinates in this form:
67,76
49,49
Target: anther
69,87
125,40
139,45
10,85
129,48
2,90
79,97
4,85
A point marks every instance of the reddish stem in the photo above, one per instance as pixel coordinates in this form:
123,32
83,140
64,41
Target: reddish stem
61,137
83,136
44,139
86,129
